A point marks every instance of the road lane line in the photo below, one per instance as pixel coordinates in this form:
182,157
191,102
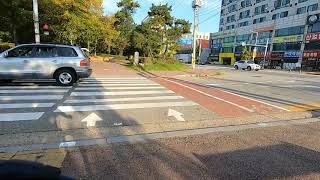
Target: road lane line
118,88
98,93
114,78
278,107
122,106
25,105
33,91
9,117
74,101
209,95
117,82
117,85
34,87
31,97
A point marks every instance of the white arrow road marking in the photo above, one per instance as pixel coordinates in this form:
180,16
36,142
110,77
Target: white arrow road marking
176,114
91,120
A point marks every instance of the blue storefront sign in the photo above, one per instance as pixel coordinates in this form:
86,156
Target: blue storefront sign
292,54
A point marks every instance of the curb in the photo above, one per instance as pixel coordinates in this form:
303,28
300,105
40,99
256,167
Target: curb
141,132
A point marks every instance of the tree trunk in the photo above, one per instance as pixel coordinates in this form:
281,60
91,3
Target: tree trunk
95,48
88,45
121,52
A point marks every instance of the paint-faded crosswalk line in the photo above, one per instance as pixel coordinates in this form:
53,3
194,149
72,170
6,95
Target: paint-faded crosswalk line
118,88
117,85
31,97
33,91
123,106
26,105
79,101
9,117
97,93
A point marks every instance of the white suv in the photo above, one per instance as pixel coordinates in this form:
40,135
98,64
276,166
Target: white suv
64,63
248,65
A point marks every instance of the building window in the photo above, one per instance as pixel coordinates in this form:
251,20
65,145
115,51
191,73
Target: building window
259,1
313,7
289,31
246,23
259,20
315,45
301,10
286,46
264,35
261,9
244,37
245,3
232,8
244,14
231,18
301,1
221,21
280,15
227,50
281,3
314,27
284,14
228,39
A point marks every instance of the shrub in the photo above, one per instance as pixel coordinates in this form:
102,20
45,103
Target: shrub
5,46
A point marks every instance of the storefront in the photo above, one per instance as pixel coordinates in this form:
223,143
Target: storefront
311,54
260,59
276,60
311,60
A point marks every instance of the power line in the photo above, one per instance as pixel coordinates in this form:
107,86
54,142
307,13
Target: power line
207,19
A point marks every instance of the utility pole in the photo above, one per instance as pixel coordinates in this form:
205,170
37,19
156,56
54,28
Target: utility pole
195,5
265,54
36,21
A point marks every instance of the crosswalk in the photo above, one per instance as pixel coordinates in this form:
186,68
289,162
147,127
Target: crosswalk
32,101
114,93
25,102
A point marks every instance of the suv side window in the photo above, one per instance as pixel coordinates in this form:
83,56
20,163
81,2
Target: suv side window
66,52
21,52
45,52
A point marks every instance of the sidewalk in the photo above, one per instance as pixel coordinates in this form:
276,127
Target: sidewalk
103,69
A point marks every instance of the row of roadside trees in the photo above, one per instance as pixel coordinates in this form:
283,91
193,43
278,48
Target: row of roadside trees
84,23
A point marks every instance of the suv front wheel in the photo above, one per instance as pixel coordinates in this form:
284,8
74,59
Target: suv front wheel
65,77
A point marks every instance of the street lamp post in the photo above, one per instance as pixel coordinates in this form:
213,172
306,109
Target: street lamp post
36,21
255,45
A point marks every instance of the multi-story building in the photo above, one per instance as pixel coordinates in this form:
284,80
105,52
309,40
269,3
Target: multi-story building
292,28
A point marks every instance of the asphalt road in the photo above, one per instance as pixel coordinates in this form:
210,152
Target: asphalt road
284,152
291,91
100,119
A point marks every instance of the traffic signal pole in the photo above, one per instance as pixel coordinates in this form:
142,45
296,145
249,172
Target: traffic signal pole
195,5
36,21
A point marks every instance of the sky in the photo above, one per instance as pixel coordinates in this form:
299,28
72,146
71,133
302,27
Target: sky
209,13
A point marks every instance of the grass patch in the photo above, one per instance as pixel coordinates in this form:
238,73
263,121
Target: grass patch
165,67
158,67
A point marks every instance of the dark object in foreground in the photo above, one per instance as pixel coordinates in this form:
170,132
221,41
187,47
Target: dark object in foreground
18,169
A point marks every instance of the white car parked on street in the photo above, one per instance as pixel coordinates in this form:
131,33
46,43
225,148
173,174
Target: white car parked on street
248,65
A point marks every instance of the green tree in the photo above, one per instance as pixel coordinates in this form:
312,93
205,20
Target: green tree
124,24
245,55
